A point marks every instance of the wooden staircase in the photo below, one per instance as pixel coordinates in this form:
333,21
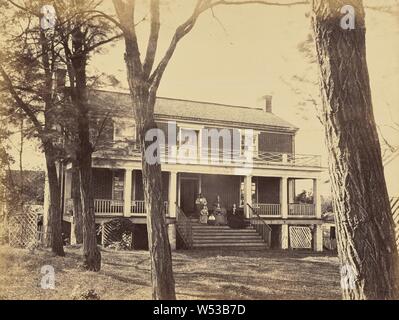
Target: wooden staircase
223,237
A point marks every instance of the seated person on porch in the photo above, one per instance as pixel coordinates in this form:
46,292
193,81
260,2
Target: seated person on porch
200,202
235,220
204,215
211,219
219,212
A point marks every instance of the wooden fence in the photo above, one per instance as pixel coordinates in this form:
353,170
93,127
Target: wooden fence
23,230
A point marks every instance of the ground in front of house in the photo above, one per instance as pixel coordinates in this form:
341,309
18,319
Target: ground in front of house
198,274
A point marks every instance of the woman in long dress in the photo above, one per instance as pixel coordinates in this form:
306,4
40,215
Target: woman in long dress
204,215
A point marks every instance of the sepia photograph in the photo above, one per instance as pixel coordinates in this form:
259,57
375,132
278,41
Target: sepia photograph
224,153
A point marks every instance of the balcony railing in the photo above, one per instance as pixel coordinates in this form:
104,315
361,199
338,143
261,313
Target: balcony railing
106,206
222,157
301,210
267,209
138,207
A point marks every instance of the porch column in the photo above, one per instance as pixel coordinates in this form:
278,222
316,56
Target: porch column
172,236
73,234
284,237
318,238
127,193
291,190
317,197
178,190
172,197
247,195
283,197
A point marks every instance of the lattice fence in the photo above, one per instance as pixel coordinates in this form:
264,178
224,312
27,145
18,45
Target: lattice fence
22,230
300,237
117,233
395,213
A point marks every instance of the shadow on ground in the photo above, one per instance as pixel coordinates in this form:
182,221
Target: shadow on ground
198,274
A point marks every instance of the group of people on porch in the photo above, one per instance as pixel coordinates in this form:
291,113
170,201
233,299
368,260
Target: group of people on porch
218,215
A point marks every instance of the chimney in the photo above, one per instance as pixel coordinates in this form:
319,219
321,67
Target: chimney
268,103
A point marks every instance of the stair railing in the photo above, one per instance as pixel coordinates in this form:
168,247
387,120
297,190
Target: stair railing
184,227
260,226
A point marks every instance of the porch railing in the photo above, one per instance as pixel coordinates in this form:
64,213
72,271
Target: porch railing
260,225
301,210
268,209
236,157
107,206
138,207
184,228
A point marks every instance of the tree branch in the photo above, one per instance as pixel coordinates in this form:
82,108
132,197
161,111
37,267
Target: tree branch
125,11
186,27
180,32
101,129
35,13
153,39
100,43
21,104
105,16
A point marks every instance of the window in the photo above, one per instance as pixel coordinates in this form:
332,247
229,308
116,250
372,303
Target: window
255,141
124,130
188,141
117,185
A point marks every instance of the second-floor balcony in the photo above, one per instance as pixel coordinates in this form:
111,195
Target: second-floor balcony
215,157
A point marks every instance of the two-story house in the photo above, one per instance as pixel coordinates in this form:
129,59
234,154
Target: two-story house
245,157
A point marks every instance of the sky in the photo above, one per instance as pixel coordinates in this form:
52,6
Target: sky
241,53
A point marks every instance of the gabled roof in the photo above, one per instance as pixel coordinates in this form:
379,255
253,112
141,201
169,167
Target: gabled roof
119,104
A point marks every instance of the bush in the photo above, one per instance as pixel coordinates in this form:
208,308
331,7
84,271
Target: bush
84,294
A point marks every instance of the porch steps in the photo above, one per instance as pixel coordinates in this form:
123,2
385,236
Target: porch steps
223,237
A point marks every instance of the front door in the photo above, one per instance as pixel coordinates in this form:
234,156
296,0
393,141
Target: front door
188,194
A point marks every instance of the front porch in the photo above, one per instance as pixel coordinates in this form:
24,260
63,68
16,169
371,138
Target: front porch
275,200
117,193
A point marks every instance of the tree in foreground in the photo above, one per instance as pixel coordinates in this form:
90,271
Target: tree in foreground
366,239
28,86
81,34
144,78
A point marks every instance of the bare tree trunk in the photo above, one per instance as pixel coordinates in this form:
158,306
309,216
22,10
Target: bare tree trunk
77,205
365,226
163,283
91,252
54,229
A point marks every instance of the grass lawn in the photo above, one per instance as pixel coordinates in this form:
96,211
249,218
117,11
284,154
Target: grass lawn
198,275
